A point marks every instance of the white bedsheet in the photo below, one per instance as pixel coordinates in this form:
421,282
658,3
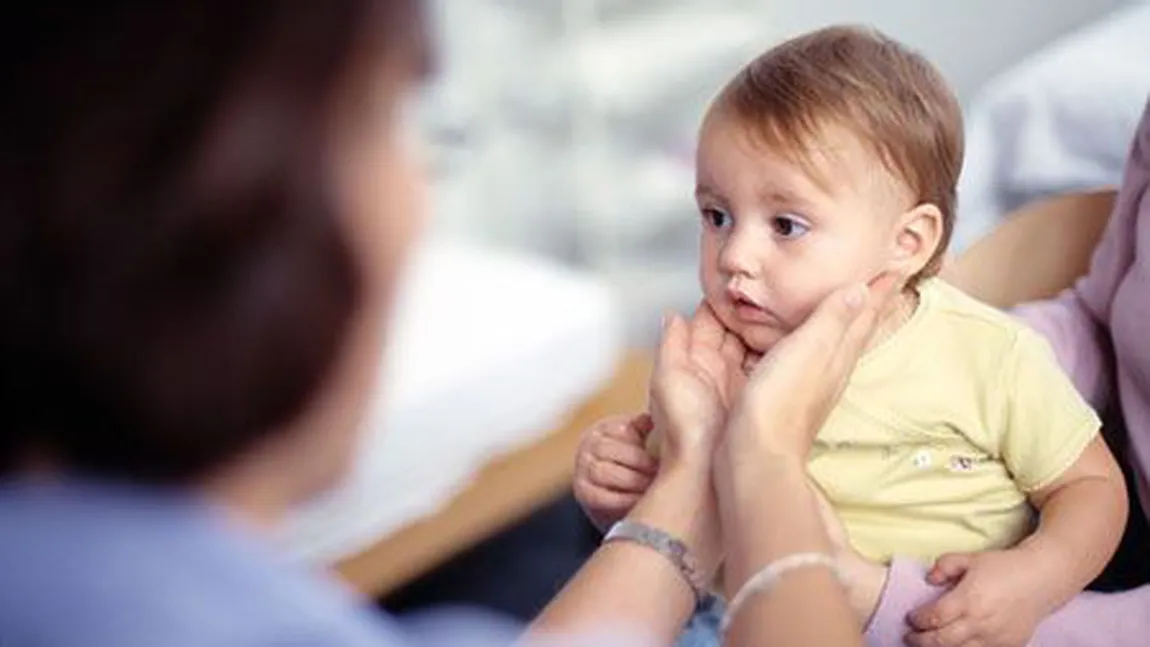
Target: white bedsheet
489,352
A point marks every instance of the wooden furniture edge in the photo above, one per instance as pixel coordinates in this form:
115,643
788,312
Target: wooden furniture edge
509,488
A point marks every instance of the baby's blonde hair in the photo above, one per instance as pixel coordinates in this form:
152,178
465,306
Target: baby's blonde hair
858,79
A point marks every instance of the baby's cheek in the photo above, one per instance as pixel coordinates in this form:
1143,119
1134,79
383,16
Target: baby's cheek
800,309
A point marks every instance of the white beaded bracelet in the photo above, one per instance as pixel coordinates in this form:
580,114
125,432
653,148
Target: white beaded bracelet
769,576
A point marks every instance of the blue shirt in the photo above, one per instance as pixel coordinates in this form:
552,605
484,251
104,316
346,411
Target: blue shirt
100,565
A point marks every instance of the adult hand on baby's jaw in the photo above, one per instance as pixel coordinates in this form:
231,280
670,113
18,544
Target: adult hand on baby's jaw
698,374
796,385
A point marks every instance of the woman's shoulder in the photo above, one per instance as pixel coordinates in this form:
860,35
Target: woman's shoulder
97,565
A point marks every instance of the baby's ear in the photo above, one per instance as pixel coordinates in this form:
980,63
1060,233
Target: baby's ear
918,234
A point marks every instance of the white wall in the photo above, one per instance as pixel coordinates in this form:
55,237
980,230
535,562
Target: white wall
970,40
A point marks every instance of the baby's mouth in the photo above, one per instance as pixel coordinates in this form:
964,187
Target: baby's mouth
751,312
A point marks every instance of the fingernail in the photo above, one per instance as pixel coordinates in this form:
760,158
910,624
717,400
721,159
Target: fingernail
855,296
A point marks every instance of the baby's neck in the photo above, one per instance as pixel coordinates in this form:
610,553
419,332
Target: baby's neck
897,314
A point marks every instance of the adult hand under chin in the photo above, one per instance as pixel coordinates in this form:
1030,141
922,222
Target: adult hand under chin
698,375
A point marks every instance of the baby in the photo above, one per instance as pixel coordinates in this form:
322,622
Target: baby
827,161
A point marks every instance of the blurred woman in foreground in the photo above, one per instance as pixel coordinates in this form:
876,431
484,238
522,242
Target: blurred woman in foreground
206,207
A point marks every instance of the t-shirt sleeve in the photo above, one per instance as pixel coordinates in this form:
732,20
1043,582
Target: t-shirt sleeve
1045,423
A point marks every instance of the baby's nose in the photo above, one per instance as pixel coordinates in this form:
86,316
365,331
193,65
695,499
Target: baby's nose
741,257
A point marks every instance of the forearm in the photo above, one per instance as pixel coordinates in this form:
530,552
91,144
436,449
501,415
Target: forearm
1043,247
1080,527
769,512
628,585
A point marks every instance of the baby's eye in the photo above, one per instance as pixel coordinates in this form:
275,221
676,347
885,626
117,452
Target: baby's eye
789,226
717,218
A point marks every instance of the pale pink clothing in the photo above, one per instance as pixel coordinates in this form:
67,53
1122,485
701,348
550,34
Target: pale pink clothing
1100,330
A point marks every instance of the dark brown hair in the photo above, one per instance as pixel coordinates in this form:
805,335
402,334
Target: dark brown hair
174,280
858,79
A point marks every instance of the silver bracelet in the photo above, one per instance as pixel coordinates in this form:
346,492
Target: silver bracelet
769,576
673,549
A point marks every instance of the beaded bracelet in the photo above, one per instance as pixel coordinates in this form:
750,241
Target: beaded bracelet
766,579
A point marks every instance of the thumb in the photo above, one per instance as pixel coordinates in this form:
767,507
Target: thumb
641,426
949,568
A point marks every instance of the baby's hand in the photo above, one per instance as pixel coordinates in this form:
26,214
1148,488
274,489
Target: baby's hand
613,468
996,602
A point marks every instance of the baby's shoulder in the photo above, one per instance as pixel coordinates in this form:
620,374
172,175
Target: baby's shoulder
975,326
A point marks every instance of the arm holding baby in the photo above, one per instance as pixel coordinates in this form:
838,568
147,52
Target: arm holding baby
1050,444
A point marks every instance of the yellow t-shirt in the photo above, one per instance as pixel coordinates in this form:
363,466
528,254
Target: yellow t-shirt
943,430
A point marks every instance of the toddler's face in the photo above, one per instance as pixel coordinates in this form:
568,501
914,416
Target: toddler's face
775,241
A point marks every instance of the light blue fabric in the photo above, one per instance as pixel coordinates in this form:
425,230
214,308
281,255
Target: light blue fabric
99,565
702,629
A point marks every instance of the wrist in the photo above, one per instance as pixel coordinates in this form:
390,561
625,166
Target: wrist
1050,561
739,474
685,447
752,439
681,502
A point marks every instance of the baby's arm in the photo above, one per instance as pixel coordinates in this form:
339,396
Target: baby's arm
1047,437
1082,516
1047,425
999,597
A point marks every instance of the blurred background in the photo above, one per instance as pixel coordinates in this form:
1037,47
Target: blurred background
566,127
560,142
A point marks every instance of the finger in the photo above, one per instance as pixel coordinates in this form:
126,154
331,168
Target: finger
857,312
606,425
633,431
706,330
826,327
960,633
885,287
601,501
732,349
616,503
613,476
733,354
626,456
750,361
878,296
944,611
949,568
643,424
674,342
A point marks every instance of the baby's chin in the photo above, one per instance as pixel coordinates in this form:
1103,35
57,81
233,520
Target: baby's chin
760,339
